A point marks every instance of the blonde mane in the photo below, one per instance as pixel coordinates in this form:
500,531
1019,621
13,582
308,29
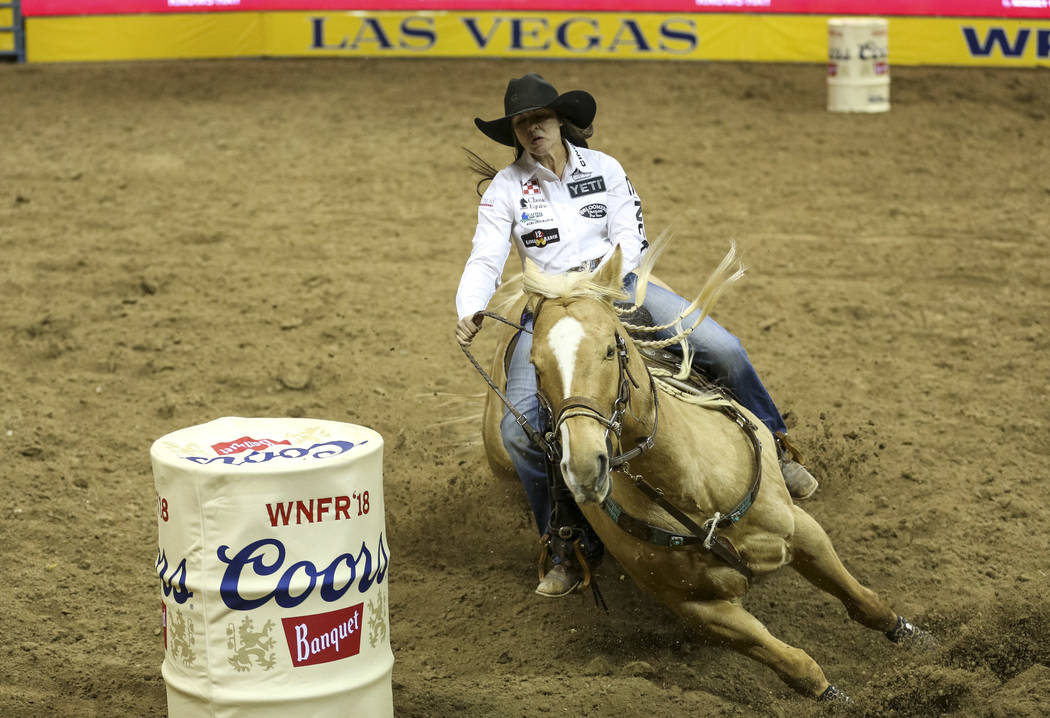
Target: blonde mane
571,285
605,285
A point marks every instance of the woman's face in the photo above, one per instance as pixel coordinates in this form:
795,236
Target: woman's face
538,131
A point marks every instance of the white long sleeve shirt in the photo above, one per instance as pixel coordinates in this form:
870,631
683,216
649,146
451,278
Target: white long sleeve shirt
559,223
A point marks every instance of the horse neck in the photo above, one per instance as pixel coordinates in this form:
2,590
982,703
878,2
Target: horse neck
668,463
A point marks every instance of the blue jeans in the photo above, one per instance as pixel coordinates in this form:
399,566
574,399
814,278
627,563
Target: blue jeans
716,351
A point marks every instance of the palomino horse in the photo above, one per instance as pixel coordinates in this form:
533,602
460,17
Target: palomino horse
700,508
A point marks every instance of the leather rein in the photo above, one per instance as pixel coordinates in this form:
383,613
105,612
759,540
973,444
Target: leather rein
574,406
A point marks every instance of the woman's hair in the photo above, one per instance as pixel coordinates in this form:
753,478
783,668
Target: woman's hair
574,134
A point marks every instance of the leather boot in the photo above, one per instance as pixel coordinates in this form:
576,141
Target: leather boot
561,580
800,483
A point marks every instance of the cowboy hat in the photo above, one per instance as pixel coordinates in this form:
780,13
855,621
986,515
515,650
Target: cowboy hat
532,92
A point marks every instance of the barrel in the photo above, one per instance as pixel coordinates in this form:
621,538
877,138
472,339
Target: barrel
273,563
858,65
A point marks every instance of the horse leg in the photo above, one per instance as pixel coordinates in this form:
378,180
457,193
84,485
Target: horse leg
816,560
729,623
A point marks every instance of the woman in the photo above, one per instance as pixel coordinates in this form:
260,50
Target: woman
566,207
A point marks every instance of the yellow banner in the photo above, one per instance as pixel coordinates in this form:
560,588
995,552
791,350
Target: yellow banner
590,36
968,41
88,38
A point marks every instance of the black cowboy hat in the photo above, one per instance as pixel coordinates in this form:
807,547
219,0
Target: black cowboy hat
532,92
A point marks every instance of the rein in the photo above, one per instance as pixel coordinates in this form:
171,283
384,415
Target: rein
534,436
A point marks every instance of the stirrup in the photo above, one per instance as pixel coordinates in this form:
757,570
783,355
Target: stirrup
786,451
580,561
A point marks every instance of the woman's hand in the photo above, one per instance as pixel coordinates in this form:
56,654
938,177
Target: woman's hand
467,327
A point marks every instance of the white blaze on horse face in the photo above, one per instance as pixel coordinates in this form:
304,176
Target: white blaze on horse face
565,338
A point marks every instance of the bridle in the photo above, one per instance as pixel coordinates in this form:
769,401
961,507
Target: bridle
582,406
579,405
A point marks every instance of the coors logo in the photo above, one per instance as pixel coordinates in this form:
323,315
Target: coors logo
324,637
245,443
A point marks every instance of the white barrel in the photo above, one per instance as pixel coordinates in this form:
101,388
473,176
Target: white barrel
273,563
858,65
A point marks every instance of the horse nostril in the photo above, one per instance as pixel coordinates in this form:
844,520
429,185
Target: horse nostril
603,465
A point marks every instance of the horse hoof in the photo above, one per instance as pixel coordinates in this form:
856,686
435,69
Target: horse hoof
832,694
907,633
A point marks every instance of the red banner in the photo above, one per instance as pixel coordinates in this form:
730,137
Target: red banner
245,443
324,637
948,8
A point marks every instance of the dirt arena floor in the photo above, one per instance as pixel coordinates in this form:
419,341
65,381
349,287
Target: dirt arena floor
185,241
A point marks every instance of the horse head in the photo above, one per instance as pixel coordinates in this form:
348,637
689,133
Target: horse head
581,356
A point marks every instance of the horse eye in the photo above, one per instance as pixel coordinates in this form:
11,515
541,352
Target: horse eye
609,352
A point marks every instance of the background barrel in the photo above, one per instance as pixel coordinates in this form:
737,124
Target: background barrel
273,559
858,65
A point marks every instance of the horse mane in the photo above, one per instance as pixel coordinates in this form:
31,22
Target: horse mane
575,285
605,284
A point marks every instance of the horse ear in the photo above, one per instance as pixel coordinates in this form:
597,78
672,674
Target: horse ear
610,274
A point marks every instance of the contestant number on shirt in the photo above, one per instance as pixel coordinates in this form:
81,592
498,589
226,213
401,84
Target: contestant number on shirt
638,212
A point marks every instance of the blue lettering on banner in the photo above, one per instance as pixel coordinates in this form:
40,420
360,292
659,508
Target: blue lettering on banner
631,28
481,40
579,35
317,451
173,584
997,38
425,32
518,33
418,29
582,35
593,39
251,562
687,36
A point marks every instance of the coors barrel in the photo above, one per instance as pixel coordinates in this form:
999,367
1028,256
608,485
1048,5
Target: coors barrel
273,563
858,64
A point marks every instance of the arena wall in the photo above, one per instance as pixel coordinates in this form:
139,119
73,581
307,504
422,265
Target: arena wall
719,30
